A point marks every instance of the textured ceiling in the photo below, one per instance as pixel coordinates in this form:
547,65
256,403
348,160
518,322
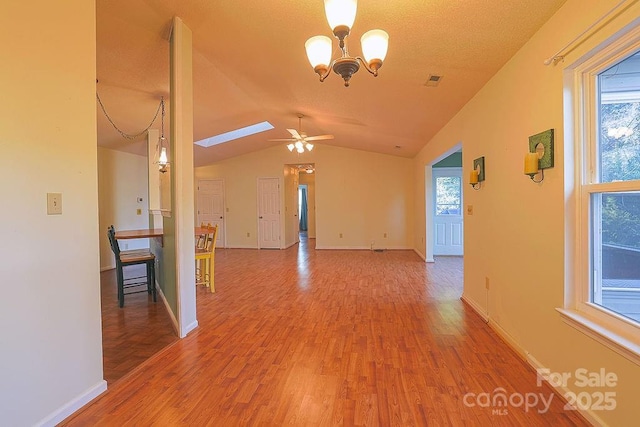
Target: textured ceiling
249,65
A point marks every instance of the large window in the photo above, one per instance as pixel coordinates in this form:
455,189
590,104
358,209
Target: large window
605,290
615,213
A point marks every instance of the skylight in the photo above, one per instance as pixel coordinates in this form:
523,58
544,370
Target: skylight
234,134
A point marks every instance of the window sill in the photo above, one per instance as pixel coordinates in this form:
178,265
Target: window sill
596,330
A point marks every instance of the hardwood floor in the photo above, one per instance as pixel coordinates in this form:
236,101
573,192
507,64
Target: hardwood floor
134,333
331,338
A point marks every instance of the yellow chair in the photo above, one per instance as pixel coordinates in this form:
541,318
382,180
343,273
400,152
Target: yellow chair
205,250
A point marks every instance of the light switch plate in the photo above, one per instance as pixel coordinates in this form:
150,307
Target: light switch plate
54,203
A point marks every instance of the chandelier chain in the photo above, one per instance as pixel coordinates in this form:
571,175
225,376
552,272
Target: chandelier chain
142,132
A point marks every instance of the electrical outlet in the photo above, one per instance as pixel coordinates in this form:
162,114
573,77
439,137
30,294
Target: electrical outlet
54,203
486,283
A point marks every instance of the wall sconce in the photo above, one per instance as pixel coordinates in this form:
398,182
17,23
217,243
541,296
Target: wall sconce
477,174
540,155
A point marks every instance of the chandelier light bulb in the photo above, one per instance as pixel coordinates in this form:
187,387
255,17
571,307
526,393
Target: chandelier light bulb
163,157
374,47
319,51
291,147
341,13
300,149
309,146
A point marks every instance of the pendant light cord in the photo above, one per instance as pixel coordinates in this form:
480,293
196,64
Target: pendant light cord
142,132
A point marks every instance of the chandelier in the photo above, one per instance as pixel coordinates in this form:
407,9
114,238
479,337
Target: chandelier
341,14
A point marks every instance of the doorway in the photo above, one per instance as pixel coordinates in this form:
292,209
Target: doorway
307,202
210,206
452,158
447,215
268,213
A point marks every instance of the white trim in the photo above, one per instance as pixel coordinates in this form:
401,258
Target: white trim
291,244
366,248
581,127
421,255
109,267
590,416
190,327
73,405
174,321
471,303
603,334
243,247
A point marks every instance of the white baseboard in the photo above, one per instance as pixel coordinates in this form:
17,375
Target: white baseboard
71,407
108,267
363,248
562,391
174,321
590,416
242,247
189,328
471,303
420,254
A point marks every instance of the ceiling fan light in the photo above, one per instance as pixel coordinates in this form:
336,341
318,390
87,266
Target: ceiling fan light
374,46
340,12
291,147
309,146
300,150
299,145
319,51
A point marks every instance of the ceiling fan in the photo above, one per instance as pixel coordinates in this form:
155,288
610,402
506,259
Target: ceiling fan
299,139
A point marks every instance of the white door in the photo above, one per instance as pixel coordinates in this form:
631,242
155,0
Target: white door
447,218
268,213
211,206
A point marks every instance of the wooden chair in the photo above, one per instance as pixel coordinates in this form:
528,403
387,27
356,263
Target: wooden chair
128,258
205,251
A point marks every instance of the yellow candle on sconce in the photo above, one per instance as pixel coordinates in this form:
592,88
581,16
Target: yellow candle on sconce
531,162
473,178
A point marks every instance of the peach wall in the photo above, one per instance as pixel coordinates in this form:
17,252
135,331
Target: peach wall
51,345
359,194
515,237
122,181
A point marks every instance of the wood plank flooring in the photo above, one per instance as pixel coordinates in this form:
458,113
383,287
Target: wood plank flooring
330,338
134,333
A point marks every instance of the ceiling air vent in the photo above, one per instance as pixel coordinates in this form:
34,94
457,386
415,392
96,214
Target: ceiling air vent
433,80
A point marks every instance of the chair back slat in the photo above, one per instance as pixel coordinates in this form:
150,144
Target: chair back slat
115,247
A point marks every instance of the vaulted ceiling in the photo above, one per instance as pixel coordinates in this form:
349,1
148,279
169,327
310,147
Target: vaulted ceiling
249,65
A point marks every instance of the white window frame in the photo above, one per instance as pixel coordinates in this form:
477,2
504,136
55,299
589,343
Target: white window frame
581,124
